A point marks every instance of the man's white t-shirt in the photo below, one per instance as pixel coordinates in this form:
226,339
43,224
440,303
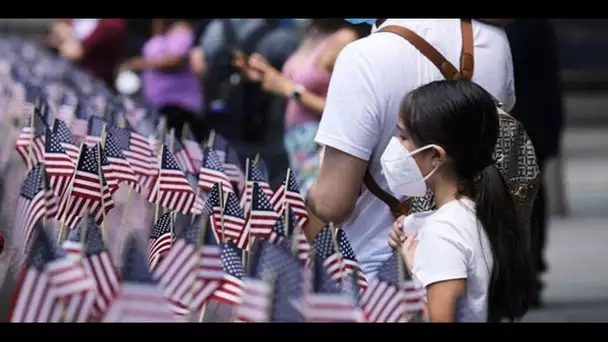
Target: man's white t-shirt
453,245
370,78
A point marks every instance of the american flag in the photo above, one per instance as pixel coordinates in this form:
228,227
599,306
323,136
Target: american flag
289,193
183,158
194,151
230,224
31,205
63,135
341,262
52,201
177,273
262,217
212,172
86,190
255,175
97,262
161,239
256,304
209,272
230,161
231,288
81,123
59,165
119,166
326,302
138,152
172,189
139,298
95,130
296,234
383,301
288,282
35,138
48,283
67,106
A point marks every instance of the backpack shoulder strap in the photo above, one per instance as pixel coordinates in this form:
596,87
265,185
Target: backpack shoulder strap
397,207
467,62
448,70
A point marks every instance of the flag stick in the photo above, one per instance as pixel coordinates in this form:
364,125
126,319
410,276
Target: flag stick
334,239
30,152
157,184
211,139
401,284
69,199
104,232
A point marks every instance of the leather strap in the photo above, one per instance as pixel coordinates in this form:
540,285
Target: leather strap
397,208
448,71
467,62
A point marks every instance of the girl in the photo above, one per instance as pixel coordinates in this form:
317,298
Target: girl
472,246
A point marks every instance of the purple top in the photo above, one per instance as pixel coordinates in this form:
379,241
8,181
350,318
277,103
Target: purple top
180,88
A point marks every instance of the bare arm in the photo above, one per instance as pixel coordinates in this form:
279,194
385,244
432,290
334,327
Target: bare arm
334,193
197,61
443,299
349,131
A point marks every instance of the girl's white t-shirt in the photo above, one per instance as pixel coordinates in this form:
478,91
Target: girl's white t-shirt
453,245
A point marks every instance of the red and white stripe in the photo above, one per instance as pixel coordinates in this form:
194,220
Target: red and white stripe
184,162
120,171
383,303
227,226
177,274
137,302
321,307
339,268
173,191
261,222
29,213
84,194
23,144
230,291
59,168
209,275
158,248
256,301
207,179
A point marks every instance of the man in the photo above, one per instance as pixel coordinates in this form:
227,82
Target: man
370,78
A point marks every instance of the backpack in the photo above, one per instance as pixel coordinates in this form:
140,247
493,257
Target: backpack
514,153
231,101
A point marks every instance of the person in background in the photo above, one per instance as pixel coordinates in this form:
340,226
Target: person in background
169,83
539,108
303,82
95,44
360,116
472,245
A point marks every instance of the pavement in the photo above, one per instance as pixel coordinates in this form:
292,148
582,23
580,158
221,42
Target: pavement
577,281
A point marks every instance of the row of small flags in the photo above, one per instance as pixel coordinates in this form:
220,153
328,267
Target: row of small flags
243,245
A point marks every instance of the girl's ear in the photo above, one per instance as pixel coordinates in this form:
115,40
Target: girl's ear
439,155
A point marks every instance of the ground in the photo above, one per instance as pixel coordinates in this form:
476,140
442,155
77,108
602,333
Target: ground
577,282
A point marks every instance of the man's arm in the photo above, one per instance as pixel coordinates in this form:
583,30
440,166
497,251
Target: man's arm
349,130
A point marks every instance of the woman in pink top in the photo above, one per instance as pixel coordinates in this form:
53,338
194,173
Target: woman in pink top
304,82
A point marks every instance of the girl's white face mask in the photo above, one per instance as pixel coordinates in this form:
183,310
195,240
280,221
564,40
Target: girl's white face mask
401,171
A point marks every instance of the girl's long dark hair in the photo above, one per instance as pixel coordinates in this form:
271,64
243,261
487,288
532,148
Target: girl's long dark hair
462,117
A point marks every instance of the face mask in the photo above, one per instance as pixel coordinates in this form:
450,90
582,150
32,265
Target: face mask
402,174
370,21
